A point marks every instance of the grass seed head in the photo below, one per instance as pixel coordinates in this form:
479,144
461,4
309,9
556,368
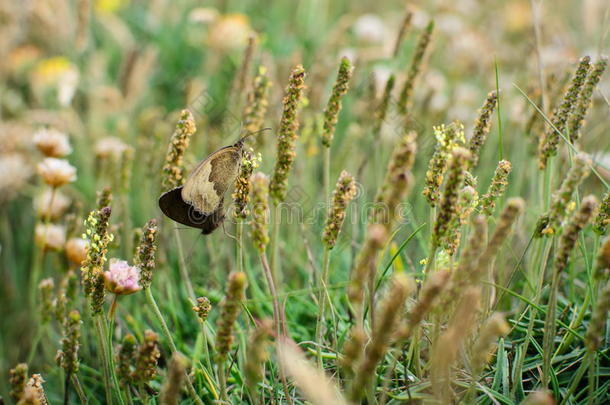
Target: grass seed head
423,43
146,358
18,380
495,326
260,211
172,386
145,253
482,126
496,189
202,308
243,185
595,332
603,217
288,134
258,353
344,192
67,357
257,102
231,307
577,119
173,169
602,263
331,113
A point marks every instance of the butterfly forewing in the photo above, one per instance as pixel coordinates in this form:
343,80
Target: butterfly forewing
210,180
175,208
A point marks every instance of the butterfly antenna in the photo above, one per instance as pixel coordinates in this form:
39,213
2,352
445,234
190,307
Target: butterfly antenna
243,138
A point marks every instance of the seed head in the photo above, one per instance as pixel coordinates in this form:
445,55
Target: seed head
382,108
146,359
448,209
145,253
18,380
243,187
563,196
170,392
173,170
260,211
67,357
577,119
603,217
494,327
258,353
257,103
34,391
231,306
126,358
497,187
602,264
447,139
47,289
203,308
376,236
331,113
482,127
389,314
345,191
419,54
595,331
288,134
550,139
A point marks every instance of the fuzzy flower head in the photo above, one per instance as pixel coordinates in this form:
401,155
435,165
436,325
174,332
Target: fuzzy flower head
76,250
51,205
121,278
52,143
56,172
50,237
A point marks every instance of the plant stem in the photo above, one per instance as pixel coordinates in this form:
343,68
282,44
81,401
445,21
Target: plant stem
278,317
323,294
326,169
549,331
184,275
170,340
239,231
275,241
101,339
79,390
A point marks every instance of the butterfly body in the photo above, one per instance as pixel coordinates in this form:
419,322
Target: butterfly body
199,203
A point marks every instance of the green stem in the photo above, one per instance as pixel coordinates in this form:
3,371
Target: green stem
549,331
275,236
170,340
107,331
239,231
323,294
184,275
326,173
222,381
102,347
79,390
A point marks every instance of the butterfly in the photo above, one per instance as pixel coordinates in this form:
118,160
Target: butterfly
199,202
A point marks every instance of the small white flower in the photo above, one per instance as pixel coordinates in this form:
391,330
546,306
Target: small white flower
52,143
76,250
51,236
51,204
56,172
110,147
370,28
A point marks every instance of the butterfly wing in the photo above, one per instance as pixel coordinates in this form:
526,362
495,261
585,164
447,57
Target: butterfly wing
175,208
207,184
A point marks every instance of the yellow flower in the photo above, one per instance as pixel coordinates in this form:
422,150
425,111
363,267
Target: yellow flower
109,6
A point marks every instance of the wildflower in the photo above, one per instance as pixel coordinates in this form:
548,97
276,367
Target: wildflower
56,172
257,353
389,314
496,188
577,119
111,148
423,42
243,185
145,253
121,278
288,135
203,308
18,380
447,139
449,209
67,357
50,236
170,392
76,250
369,28
229,32
561,198
344,192
595,332
231,306
15,174
550,139
333,108
257,102
260,211
52,143
51,204
146,359
481,127
173,170
603,217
